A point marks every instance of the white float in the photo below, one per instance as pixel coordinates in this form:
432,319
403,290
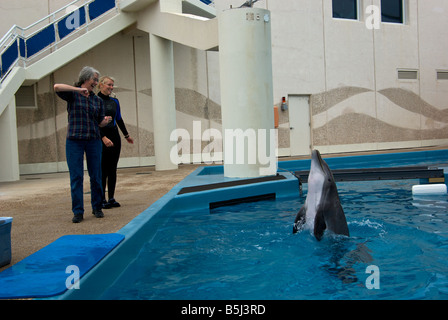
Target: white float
429,189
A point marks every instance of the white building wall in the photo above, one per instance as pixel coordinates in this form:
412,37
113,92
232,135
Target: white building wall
433,51
357,101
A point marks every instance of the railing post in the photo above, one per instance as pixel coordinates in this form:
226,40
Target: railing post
18,48
86,9
56,32
26,48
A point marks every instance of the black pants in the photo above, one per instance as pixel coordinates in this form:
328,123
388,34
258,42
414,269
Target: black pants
109,163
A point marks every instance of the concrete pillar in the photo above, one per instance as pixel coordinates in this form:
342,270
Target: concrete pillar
163,100
247,92
9,160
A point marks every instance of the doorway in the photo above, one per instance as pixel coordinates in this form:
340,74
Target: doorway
299,125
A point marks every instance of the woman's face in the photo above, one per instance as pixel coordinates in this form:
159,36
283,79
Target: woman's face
91,83
107,87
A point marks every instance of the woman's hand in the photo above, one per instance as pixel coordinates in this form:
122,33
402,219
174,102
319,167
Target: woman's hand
84,92
106,121
107,142
129,140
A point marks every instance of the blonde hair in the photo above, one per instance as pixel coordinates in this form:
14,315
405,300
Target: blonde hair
102,80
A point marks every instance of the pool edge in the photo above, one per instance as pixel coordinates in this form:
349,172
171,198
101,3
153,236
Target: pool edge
172,201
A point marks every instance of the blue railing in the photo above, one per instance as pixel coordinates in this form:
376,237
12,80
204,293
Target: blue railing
17,45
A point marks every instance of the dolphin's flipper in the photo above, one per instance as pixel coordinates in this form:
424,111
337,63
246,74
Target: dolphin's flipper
319,225
300,219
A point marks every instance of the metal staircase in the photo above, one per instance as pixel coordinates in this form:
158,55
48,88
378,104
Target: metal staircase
24,46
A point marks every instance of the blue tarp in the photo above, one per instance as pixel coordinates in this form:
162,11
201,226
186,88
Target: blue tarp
47,272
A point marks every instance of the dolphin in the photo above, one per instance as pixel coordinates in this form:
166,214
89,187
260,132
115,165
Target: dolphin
322,209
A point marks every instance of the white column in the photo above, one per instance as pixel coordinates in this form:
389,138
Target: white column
9,160
247,92
163,100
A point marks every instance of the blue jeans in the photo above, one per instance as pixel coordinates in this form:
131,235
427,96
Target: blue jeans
74,150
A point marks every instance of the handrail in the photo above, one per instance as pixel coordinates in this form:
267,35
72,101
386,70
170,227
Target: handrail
19,45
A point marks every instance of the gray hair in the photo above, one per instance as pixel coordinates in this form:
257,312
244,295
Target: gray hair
86,74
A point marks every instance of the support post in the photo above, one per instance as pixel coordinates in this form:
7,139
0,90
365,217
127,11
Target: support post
9,161
163,100
247,102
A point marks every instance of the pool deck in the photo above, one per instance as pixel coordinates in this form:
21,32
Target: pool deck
41,206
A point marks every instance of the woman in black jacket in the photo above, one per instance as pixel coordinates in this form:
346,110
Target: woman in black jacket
111,140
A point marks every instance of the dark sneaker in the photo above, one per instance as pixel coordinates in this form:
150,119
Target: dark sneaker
98,213
106,205
77,218
113,203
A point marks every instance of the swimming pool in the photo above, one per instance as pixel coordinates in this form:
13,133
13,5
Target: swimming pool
248,251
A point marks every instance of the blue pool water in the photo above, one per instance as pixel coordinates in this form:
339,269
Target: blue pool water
248,251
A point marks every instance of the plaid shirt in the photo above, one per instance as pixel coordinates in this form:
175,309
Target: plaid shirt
84,115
